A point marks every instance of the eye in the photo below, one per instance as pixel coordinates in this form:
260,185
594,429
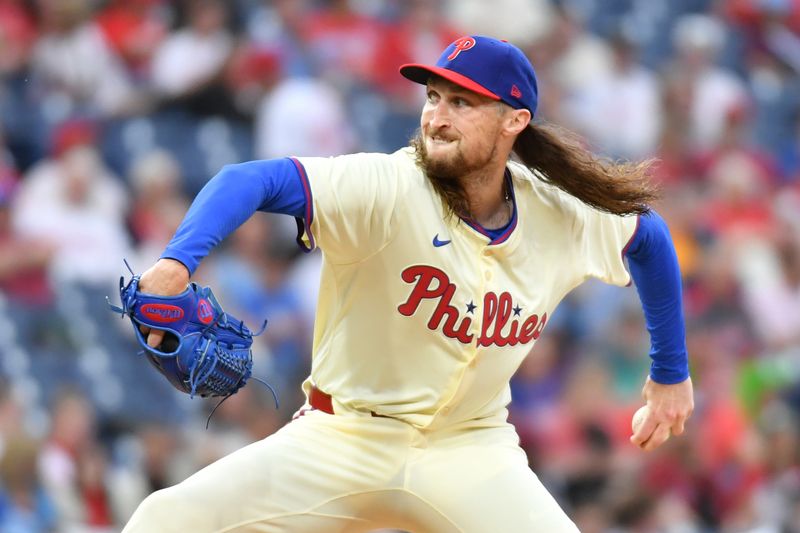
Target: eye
460,102
432,96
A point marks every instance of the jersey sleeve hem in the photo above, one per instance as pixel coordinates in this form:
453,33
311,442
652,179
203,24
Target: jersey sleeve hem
305,237
667,376
185,259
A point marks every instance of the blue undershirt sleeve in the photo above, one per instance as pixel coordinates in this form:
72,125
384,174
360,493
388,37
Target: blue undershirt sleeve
654,268
229,199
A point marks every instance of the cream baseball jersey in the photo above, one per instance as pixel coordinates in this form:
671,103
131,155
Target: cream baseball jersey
423,317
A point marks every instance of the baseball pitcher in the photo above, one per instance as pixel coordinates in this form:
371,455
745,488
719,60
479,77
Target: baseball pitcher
443,263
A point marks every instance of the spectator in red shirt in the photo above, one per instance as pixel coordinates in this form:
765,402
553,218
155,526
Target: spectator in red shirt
343,43
418,37
134,31
17,35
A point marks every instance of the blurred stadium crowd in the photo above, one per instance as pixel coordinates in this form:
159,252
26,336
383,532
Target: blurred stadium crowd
115,112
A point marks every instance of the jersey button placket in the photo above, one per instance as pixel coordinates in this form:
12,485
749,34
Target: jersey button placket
486,267
485,273
488,263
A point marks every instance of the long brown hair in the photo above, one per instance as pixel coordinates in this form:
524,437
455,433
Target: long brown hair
558,157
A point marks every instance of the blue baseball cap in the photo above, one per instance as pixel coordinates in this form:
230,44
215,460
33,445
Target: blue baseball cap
487,66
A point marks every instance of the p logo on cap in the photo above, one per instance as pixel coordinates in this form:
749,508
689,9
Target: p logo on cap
462,43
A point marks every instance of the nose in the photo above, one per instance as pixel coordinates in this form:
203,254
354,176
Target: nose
437,115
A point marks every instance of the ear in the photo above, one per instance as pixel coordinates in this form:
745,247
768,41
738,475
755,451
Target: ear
517,120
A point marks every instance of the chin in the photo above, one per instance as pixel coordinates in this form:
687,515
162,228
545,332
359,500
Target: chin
441,161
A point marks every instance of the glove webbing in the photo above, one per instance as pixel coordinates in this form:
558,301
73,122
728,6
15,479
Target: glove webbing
231,366
220,373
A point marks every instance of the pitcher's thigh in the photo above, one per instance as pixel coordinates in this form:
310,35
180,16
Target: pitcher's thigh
482,488
297,476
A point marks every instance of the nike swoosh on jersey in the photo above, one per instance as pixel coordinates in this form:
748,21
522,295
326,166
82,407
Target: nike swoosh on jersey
437,243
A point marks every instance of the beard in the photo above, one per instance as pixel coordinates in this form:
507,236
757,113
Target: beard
444,175
453,167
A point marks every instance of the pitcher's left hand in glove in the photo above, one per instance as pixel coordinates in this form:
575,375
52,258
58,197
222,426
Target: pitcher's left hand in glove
205,351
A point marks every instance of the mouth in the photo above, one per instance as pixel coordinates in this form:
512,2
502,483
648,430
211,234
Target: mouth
437,140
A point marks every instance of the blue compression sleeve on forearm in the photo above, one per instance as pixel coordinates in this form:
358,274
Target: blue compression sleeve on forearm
229,199
654,269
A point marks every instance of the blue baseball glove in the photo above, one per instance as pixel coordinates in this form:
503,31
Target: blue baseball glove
205,351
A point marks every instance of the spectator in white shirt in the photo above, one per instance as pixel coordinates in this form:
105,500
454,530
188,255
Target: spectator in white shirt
193,56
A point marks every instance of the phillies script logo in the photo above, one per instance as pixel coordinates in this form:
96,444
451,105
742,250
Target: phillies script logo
462,43
502,324
162,312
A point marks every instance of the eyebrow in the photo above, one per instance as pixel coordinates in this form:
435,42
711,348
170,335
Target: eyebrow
450,85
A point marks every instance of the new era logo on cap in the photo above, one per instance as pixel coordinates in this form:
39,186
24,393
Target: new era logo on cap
484,65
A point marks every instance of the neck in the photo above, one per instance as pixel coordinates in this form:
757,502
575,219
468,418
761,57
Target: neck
486,193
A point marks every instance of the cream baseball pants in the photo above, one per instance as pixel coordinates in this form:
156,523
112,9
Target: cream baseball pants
326,473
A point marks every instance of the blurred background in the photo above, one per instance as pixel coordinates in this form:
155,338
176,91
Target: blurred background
114,113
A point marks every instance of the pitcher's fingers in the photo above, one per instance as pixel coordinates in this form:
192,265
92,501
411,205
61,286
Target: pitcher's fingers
636,442
155,338
677,427
644,431
659,437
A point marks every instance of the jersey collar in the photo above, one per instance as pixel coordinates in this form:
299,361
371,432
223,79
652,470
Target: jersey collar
509,231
